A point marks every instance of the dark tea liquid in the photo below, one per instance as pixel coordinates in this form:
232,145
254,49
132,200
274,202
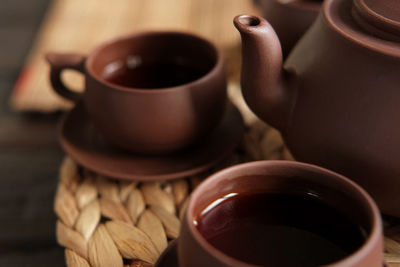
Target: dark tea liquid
279,230
151,75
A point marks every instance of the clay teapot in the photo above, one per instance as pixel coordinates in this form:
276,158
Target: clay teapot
290,19
336,99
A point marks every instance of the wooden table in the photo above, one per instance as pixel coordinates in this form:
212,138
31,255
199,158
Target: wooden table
29,152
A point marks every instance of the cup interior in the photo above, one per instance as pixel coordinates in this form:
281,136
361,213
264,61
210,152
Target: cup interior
283,178
153,60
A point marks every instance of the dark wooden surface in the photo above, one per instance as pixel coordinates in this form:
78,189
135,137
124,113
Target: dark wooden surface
29,152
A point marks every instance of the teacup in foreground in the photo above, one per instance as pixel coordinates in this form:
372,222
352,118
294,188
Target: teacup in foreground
153,92
278,213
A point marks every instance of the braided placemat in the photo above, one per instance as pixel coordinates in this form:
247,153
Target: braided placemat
103,222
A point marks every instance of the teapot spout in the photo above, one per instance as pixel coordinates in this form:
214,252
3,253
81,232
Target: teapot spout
266,86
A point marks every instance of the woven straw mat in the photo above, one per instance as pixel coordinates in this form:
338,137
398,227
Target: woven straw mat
104,222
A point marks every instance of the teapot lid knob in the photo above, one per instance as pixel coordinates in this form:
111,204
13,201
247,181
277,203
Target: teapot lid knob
379,17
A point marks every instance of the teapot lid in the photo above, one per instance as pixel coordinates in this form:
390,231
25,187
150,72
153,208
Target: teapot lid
379,17
374,24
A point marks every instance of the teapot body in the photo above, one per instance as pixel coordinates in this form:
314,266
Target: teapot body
301,13
346,115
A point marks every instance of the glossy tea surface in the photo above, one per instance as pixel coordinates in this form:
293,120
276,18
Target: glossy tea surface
151,75
279,230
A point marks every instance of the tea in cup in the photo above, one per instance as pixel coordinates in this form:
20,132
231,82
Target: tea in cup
151,92
278,213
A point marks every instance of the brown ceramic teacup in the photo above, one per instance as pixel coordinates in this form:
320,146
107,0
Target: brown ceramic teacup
152,92
280,213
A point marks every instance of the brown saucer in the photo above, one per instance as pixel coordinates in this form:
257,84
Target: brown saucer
88,148
169,258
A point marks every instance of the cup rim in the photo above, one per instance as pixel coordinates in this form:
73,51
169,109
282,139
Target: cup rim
373,237
211,72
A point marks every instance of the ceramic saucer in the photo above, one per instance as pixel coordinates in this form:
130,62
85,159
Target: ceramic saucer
87,147
169,258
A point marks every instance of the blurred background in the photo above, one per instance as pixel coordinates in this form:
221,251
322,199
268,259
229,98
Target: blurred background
29,153
29,111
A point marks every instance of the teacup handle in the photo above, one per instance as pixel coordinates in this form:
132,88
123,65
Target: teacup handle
60,62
